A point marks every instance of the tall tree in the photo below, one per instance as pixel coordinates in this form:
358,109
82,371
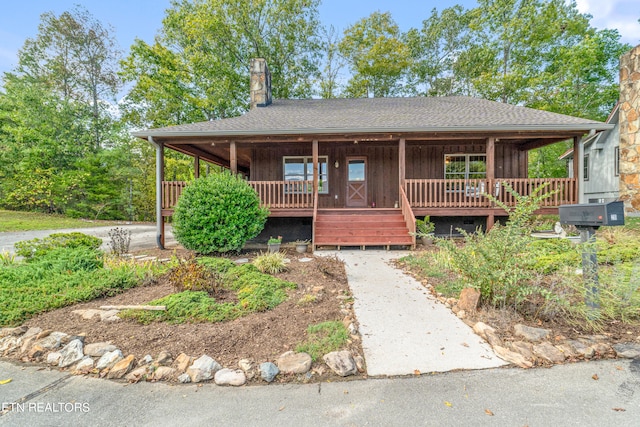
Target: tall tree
55,118
377,55
329,85
435,50
198,67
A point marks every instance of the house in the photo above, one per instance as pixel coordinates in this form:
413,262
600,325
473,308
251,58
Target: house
357,172
610,162
600,165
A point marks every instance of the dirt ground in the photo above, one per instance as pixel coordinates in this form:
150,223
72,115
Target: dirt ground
258,337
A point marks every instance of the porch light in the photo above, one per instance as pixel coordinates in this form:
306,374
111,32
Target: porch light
336,164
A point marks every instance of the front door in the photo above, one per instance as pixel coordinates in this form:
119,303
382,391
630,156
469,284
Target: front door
357,182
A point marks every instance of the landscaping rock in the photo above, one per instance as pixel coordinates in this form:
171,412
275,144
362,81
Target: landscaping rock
98,349
531,334
184,378
294,363
582,349
567,349
341,362
481,329
53,358
32,332
164,373
87,314
352,329
628,350
247,366
137,374
469,298
52,340
164,359
359,363
109,315
524,348
85,365
109,359
305,259
145,360
548,352
240,261
203,369
461,314
268,371
493,339
71,353
9,344
182,362
121,368
228,376
512,357
36,351
17,331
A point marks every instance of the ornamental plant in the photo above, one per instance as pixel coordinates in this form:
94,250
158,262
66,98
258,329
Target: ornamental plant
218,213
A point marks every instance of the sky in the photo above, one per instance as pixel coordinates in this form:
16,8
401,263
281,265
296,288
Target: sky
143,18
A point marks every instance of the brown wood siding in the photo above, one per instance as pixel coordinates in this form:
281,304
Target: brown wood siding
426,160
382,171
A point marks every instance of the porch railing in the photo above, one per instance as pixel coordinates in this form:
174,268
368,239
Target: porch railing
285,194
274,194
409,217
471,193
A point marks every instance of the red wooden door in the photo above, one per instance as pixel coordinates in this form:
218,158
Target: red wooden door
356,182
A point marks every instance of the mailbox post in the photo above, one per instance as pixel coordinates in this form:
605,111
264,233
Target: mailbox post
588,218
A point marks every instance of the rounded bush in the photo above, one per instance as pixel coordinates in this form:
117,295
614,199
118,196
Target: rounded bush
218,213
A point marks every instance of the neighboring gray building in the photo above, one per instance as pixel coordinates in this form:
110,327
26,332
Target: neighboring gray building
601,164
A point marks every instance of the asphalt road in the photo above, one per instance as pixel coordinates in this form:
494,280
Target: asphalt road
587,394
142,236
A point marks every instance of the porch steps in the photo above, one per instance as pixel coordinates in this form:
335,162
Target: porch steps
361,227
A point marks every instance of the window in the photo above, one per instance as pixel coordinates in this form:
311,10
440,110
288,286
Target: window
465,167
301,169
616,160
585,167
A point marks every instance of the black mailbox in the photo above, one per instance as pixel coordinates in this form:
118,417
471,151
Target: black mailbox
593,214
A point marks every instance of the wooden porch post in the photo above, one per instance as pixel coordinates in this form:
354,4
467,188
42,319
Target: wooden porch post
578,162
491,174
316,175
233,158
196,166
402,149
160,195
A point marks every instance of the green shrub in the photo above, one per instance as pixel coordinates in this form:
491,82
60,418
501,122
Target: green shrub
324,338
218,264
218,213
59,278
270,262
257,291
498,262
37,247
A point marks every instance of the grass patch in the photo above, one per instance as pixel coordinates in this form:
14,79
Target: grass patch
61,277
255,291
324,338
25,221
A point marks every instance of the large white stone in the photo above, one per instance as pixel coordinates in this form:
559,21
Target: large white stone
294,363
341,362
70,353
109,359
53,340
228,376
203,369
98,349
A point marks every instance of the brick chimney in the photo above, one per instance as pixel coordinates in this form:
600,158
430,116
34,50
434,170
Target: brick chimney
629,130
260,85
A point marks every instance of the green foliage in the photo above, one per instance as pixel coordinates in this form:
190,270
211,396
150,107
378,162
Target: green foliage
218,213
424,227
324,338
35,248
254,290
58,278
270,263
198,67
497,262
7,258
377,55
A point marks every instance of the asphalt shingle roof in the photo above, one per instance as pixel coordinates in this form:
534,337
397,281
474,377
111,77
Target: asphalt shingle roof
368,115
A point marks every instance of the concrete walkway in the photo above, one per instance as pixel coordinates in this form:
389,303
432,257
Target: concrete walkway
403,327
